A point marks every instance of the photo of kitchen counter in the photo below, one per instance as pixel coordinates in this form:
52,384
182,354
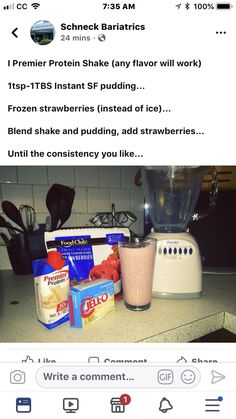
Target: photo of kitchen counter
166,320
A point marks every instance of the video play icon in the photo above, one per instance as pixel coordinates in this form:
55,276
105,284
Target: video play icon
71,405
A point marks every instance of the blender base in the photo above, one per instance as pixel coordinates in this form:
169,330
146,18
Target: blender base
178,271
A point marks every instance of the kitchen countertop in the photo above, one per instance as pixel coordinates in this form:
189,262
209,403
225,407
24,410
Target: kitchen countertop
165,321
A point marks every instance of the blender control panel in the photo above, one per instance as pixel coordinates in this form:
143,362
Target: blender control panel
175,250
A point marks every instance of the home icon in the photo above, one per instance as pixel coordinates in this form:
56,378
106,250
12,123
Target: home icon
116,405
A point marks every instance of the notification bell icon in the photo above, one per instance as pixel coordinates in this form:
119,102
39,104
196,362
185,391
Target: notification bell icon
165,405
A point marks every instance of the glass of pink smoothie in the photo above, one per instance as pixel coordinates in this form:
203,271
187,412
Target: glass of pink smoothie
137,261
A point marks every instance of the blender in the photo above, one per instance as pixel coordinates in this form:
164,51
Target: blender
171,193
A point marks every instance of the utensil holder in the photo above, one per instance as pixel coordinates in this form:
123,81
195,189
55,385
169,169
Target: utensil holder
20,258
23,249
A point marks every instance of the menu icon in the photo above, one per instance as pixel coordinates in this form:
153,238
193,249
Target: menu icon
213,405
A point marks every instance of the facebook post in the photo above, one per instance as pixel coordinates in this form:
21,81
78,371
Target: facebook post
118,199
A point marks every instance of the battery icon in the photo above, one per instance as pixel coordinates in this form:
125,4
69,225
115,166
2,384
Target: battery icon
223,6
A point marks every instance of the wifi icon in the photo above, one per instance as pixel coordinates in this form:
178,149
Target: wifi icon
35,5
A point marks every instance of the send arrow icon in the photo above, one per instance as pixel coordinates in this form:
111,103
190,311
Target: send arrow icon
216,377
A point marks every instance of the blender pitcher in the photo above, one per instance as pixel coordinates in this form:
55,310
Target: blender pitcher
171,193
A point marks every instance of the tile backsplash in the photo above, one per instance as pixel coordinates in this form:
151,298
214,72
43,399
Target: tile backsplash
97,188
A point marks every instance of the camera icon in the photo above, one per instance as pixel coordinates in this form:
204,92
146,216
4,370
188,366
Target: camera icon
17,377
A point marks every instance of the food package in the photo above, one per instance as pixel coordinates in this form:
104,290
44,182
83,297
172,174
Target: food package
90,301
92,252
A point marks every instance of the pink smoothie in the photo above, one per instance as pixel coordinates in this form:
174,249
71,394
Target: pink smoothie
137,268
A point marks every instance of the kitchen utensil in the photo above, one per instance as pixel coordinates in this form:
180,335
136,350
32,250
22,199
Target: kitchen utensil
96,220
5,239
113,212
125,218
101,219
6,224
59,202
13,213
28,216
11,231
53,206
66,202
113,218
10,228
171,193
48,222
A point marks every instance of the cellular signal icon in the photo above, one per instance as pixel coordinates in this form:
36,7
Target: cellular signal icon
35,5
9,7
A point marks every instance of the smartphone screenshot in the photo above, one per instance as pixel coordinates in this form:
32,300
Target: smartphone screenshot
117,215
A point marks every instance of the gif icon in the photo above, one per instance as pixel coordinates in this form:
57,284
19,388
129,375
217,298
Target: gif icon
165,377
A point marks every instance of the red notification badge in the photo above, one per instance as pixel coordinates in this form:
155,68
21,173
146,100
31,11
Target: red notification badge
125,399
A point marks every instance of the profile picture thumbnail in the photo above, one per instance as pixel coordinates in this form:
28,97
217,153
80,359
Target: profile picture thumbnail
42,32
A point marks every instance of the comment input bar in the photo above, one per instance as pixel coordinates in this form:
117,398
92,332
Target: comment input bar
107,376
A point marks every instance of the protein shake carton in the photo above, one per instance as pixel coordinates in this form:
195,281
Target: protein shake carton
90,301
52,284
92,252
